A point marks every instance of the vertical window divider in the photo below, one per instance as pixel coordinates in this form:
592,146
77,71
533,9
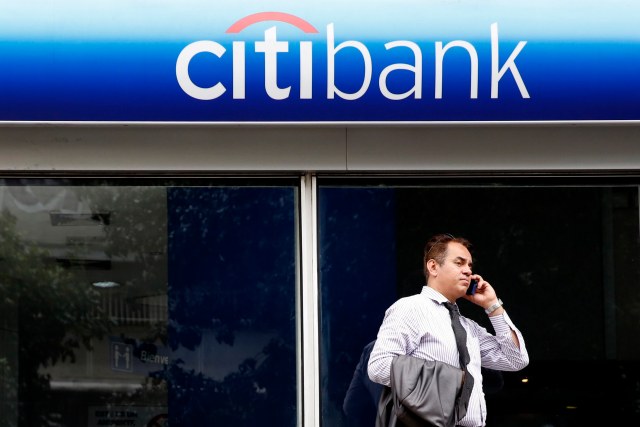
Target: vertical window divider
309,362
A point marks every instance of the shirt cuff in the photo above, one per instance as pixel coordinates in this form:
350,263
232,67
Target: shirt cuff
502,324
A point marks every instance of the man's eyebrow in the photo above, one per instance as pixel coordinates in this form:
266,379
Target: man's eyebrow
460,258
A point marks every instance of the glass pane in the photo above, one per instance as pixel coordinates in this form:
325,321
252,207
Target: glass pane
147,305
232,306
563,259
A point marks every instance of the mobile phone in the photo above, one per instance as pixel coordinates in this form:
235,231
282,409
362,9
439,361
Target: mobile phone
473,285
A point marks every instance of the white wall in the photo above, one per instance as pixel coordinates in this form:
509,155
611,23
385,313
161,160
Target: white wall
336,148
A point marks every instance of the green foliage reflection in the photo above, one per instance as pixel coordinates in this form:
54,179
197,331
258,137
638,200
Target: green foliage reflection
50,313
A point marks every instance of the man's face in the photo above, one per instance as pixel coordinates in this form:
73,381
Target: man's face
454,274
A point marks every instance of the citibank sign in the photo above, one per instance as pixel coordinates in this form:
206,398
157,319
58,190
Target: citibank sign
323,61
274,49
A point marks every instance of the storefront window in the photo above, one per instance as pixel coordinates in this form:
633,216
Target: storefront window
563,258
147,305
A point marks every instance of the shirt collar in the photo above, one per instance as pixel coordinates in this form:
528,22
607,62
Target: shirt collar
433,295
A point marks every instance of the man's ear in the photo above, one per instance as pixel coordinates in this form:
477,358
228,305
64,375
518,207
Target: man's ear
432,267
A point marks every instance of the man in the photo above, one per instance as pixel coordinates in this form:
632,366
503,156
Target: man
421,325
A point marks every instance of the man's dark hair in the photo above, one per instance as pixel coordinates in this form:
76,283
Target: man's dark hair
436,247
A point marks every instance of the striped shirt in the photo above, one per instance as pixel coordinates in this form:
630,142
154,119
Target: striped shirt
420,326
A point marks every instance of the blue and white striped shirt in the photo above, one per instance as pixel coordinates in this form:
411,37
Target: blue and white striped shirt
420,326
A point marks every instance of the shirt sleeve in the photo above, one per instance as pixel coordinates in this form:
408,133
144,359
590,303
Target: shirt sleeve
398,335
499,351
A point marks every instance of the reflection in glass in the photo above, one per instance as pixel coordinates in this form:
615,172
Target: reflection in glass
114,308
73,349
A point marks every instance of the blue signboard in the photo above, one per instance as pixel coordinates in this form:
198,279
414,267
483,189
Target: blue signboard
319,61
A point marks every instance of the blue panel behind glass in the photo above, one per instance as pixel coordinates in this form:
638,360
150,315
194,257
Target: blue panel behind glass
232,277
357,283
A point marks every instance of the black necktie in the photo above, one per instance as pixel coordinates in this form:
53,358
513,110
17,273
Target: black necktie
461,343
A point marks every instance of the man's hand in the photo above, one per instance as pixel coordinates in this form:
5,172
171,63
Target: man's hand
485,295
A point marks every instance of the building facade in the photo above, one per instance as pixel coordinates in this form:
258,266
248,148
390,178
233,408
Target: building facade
205,211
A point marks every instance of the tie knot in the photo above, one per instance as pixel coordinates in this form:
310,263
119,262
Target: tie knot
453,308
